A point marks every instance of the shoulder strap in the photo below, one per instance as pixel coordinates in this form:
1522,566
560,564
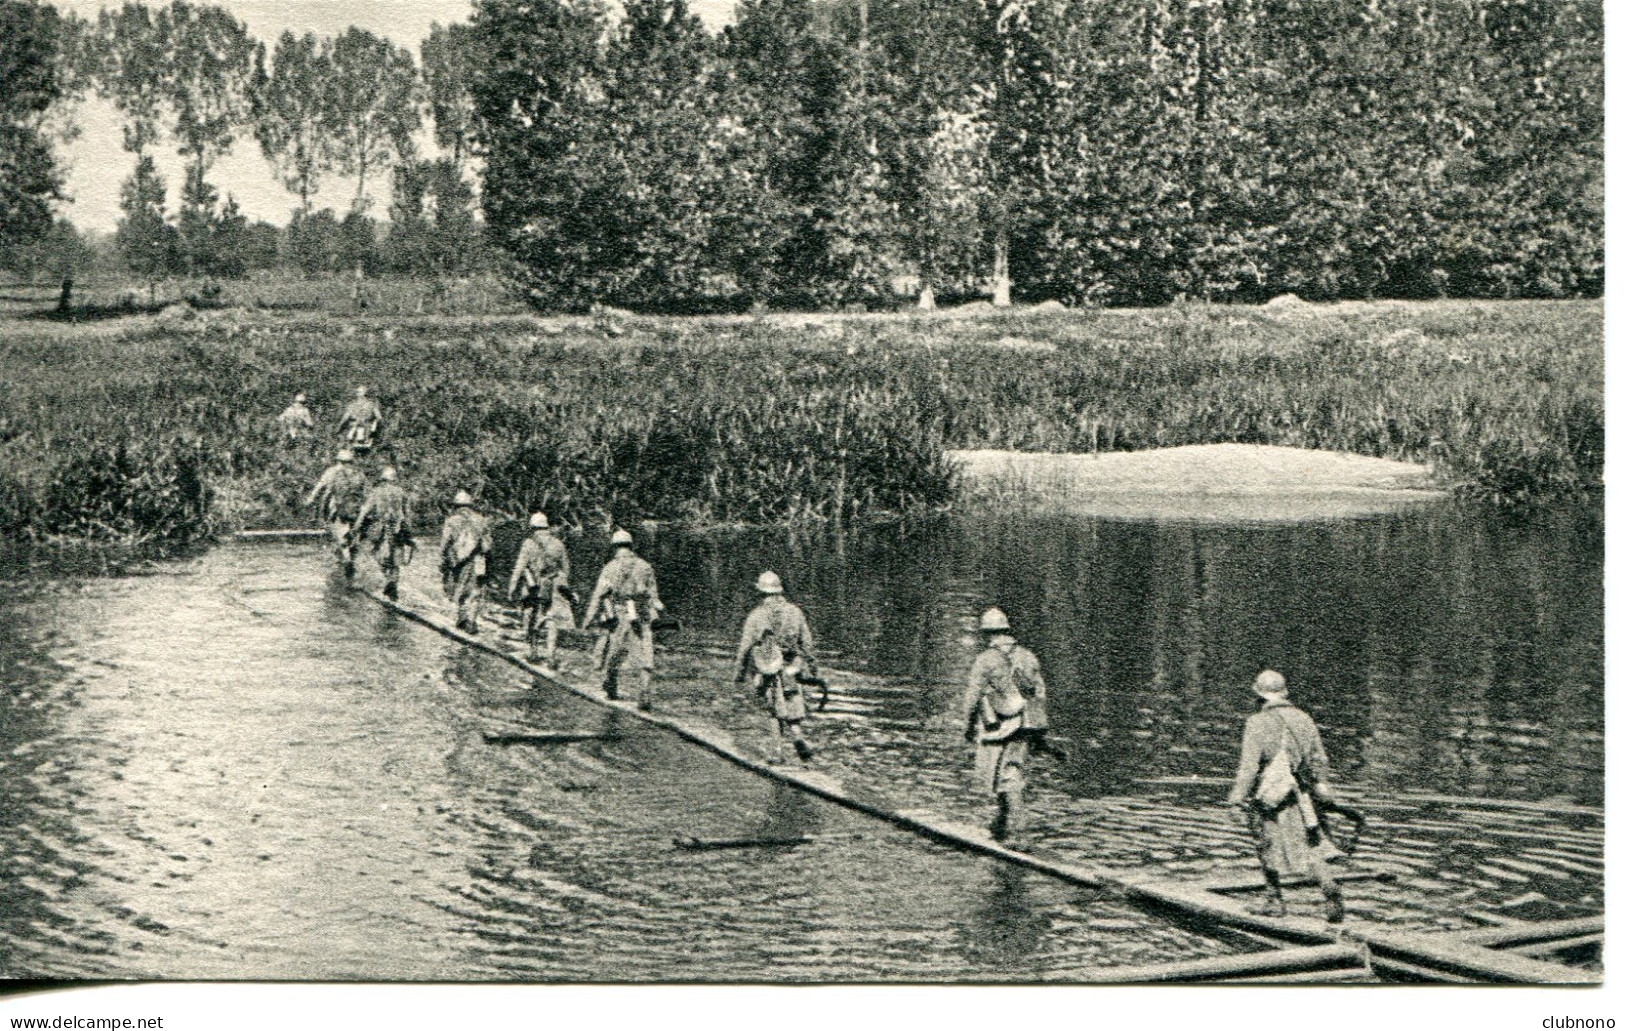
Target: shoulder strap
1286,725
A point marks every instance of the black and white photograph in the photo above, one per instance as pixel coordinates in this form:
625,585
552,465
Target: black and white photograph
802,492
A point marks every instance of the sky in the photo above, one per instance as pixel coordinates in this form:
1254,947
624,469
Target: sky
96,163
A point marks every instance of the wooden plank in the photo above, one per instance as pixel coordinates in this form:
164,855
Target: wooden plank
1551,948
1425,956
1448,954
694,844
1531,933
1281,961
562,738
264,535
1335,975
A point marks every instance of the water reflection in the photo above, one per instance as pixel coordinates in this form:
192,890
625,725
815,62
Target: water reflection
1451,647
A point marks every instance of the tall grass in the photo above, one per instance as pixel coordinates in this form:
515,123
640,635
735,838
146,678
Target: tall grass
168,431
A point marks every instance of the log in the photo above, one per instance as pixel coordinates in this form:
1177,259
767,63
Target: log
1449,954
560,738
1552,948
694,844
1278,961
1531,933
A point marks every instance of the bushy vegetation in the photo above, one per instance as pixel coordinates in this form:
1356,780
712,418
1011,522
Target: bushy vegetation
1130,153
167,430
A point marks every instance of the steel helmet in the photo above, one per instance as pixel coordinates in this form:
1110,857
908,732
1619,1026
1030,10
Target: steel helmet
538,521
995,619
387,474
360,391
299,399
1269,682
345,455
620,537
769,583
463,498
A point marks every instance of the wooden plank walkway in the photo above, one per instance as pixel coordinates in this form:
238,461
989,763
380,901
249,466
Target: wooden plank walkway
1407,953
1464,957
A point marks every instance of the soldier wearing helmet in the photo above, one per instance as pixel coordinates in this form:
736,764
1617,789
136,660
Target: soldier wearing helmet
385,524
1283,771
626,600
465,544
337,496
361,422
296,421
541,576
776,649
1004,712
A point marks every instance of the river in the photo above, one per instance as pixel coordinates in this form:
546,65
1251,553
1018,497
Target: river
233,767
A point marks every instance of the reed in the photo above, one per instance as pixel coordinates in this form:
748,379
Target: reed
164,431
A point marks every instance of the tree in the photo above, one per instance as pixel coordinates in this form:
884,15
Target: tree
372,107
311,242
29,181
448,62
292,113
432,229
209,76
131,70
145,241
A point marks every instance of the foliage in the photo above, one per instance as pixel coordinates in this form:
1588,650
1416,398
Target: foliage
432,229
372,105
29,180
448,60
149,245
292,113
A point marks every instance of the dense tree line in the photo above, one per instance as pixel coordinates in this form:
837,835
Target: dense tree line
192,76
1118,153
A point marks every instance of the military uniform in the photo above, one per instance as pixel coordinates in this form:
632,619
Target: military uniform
360,423
384,524
1003,707
626,593
776,642
465,543
542,572
296,421
1283,832
338,495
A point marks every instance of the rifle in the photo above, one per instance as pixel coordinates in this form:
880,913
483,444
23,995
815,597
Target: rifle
813,680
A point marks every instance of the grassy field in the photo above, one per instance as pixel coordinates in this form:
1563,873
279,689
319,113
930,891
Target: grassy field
160,429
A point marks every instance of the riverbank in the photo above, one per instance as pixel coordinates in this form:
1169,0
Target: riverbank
161,428
1213,482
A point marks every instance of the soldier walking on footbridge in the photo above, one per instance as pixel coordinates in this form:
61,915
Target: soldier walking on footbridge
1005,715
776,648
1283,769
338,495
540,577
465,545
627,600
385,524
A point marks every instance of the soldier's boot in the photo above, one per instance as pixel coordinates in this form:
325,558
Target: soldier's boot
803,749
552,644
1000,828
646,691
392,591
612,687
1274,903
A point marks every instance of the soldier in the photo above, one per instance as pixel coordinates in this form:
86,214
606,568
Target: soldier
627,599
540,577
1283,768
296,421
1004,711
385,523
776,647
361,422
337,496
465,542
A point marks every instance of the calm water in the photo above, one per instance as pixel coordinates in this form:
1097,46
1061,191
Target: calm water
235,768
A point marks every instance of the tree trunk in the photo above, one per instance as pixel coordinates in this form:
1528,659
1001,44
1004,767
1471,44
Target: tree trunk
1001,269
